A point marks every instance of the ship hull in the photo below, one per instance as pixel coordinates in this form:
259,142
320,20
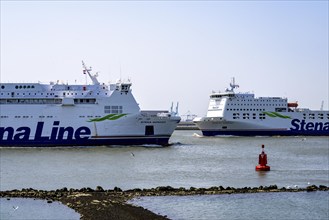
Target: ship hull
65,128
294,126
100,141
263,133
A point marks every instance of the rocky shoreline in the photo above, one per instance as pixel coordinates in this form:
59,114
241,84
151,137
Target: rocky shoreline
112,204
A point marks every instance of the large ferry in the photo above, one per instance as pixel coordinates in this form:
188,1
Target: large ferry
242,114
54,114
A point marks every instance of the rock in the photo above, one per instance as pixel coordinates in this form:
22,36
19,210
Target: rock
309,189
164,188
182,189
202,189
273,187
88,189
323,187
117,189
95,202
99,189
64,189
214,188
82,189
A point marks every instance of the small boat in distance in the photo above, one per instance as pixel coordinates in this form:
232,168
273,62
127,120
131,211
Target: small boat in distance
35,114
242,114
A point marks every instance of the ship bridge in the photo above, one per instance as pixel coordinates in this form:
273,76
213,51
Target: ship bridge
221,95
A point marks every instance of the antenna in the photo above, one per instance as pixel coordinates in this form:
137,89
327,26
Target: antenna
177,108
120,71
322,105
232,85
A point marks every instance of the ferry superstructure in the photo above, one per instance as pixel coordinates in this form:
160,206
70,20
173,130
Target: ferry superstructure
242,114
35,114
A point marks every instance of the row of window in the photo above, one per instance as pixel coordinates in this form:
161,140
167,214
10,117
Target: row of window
20,87
84,101
84,88
245,109
45,101
30,101
262,116
48,116
247,117
32,87
313,117
89,116
26,116
113,109
259,104
260,100
48,94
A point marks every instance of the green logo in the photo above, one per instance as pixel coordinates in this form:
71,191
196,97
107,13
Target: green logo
107,117
275,114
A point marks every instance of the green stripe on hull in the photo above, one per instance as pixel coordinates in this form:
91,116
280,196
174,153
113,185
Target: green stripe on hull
107,117
275,114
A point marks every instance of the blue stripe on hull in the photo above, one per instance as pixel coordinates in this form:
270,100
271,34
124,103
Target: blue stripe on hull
264,133
161,140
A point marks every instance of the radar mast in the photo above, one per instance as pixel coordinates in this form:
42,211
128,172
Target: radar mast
232,85
92,77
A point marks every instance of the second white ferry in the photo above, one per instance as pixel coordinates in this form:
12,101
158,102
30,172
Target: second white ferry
242,114
35,114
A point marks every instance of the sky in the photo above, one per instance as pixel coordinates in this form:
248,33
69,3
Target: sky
172,51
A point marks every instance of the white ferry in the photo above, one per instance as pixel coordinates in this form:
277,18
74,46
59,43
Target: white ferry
35,114
243,114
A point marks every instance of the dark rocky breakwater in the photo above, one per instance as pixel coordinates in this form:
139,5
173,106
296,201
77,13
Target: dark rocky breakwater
111,204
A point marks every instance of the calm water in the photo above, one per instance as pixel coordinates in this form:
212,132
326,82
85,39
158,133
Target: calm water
198,162
292,206
191,161
25,209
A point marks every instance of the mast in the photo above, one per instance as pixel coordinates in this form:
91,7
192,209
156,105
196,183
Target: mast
232,85
92,77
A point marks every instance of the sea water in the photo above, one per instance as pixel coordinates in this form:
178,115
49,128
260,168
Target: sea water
34,209
301,205
192,160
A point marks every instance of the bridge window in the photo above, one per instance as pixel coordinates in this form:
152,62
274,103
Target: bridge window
84,101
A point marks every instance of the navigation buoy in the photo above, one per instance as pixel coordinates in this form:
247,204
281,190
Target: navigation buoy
262,160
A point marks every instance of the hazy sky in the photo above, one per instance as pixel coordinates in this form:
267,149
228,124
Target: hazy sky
172,51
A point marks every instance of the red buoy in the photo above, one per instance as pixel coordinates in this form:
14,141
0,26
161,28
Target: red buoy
262,160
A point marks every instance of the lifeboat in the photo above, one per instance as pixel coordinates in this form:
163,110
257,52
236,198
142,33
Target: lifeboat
292,104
